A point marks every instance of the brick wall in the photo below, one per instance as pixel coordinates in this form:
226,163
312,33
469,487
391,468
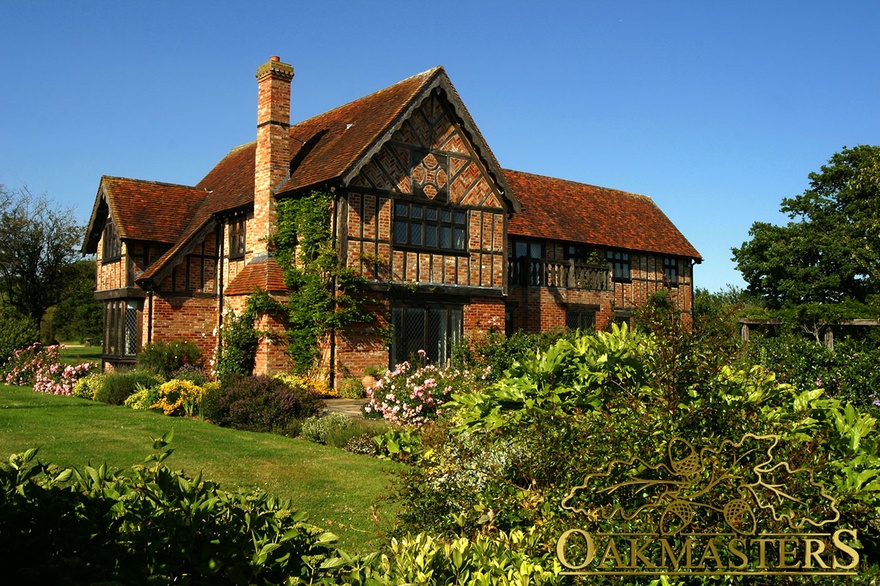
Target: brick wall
193,319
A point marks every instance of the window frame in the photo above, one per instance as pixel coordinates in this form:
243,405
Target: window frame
671,273
401,349
621,265
424,219
112,245
584,315
121,327
237,237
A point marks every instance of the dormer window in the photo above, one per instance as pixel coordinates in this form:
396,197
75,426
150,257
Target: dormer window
112,243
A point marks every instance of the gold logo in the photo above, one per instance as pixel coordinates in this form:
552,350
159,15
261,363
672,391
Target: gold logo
702,511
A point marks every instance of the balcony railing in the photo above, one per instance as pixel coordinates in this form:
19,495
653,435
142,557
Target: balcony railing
550,273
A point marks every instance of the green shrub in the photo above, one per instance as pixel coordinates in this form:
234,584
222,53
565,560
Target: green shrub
150,525
338,429
489,356
501,558
351,388
16,331
192,373
143,398
209,406
164,358
87,387
528,439
259,403
315,429
119,386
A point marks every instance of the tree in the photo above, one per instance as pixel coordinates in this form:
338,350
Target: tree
37,252
79,316
826,260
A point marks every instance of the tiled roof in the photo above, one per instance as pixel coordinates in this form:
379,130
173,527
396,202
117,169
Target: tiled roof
263,274
148,210
556,209
328,145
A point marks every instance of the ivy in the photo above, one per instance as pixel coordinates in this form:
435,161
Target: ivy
324,294
240,338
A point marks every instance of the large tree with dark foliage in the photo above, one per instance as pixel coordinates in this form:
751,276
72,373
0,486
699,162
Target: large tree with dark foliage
826,260
37,252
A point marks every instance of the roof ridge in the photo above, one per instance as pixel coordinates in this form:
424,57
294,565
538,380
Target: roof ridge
614,189
165,183
427,73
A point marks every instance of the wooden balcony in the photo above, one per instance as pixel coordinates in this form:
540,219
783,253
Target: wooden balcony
561,274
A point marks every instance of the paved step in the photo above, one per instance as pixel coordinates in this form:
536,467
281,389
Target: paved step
350,407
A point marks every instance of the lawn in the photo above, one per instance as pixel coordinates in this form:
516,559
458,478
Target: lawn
339,490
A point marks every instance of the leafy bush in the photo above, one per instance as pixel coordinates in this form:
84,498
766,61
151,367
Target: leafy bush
164,358
178,397
411,393
209,406
502,558
259,403
494,353
316,429
86,387
848,372
192,373
143,398
351,388
316,385
16,332
338,430
525,441
119,386
151,525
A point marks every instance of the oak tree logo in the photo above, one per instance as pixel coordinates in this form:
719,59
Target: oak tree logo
734,488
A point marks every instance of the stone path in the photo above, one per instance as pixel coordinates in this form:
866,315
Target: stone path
351,407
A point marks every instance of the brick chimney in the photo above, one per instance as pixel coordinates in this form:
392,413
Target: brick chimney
272,160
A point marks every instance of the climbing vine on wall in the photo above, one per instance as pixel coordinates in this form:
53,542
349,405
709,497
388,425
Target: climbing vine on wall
323,292
239,337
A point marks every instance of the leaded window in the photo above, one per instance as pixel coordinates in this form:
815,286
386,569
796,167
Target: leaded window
432,329
620,265
430,227
121,327
670,271
237,237
580,318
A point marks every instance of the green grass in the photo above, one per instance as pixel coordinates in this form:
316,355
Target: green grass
336,488
79,354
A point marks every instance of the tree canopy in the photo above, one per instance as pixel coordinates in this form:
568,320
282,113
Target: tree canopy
829,253
37,252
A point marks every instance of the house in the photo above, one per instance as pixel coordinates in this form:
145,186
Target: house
451,243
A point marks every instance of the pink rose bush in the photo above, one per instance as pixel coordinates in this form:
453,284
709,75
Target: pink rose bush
411,394
41,367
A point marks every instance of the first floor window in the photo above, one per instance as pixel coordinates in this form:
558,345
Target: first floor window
580,318
670,271
121,327
430,227
620,267
432,329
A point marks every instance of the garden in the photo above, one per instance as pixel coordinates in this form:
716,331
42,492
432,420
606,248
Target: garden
471,470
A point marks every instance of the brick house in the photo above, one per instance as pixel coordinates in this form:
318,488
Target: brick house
451,243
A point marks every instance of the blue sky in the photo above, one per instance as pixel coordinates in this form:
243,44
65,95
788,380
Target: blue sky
715,110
